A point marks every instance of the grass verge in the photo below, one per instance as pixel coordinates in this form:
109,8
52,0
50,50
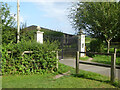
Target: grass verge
84,79
105,59
84,58
101,59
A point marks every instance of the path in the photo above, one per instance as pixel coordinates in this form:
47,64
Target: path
97,69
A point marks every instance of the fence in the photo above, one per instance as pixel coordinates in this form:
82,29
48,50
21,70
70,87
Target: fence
69,46
113,64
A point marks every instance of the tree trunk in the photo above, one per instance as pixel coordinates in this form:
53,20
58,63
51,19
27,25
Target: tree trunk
108,48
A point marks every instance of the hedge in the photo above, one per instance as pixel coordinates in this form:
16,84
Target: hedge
42,60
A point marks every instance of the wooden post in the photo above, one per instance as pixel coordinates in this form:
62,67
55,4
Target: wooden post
119,77
78,42
77,62
62,46
57,59
113,67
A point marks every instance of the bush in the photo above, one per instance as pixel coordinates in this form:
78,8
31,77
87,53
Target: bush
96,46
87,47
42,60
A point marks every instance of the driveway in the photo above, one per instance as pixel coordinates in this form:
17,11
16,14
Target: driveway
97,69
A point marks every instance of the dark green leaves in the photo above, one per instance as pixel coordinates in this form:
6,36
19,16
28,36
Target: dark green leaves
42,60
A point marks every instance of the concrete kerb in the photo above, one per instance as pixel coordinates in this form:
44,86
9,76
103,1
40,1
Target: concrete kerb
97,64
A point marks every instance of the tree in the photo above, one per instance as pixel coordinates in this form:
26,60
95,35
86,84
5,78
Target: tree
8,23
99,19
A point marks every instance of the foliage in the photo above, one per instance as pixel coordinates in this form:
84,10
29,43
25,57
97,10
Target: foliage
7,19
87,46
8,23
9,35
42,60
96,46
100,19
88,39
50,35
28,35
0,24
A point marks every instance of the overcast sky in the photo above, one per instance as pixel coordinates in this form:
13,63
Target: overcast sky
52,15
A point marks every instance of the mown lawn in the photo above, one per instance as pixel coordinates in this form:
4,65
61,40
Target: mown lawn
84,79
105,59
101,59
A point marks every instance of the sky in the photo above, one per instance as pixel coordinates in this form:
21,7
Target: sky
51,15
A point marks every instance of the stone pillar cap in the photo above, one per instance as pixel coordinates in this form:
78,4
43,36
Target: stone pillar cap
38,28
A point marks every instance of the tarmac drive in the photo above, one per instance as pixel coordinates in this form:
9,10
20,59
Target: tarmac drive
97,69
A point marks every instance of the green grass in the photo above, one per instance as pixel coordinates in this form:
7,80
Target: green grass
105,59
111,50
84,58
84,79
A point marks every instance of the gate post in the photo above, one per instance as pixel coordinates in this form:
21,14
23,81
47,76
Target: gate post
62,52
62,41
39,35
119,77
77,62
113,66
81,43
78,42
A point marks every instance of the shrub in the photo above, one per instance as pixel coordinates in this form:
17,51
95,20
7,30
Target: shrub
87,46
96,46
42,60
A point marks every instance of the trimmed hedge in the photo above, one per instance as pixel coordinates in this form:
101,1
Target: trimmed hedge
42,60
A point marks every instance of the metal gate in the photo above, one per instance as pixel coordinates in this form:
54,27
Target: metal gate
68,45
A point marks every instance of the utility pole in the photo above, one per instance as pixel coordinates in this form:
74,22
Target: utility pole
18,23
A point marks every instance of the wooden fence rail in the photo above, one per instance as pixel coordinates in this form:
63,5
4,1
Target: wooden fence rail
25,52
113,62
109,54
